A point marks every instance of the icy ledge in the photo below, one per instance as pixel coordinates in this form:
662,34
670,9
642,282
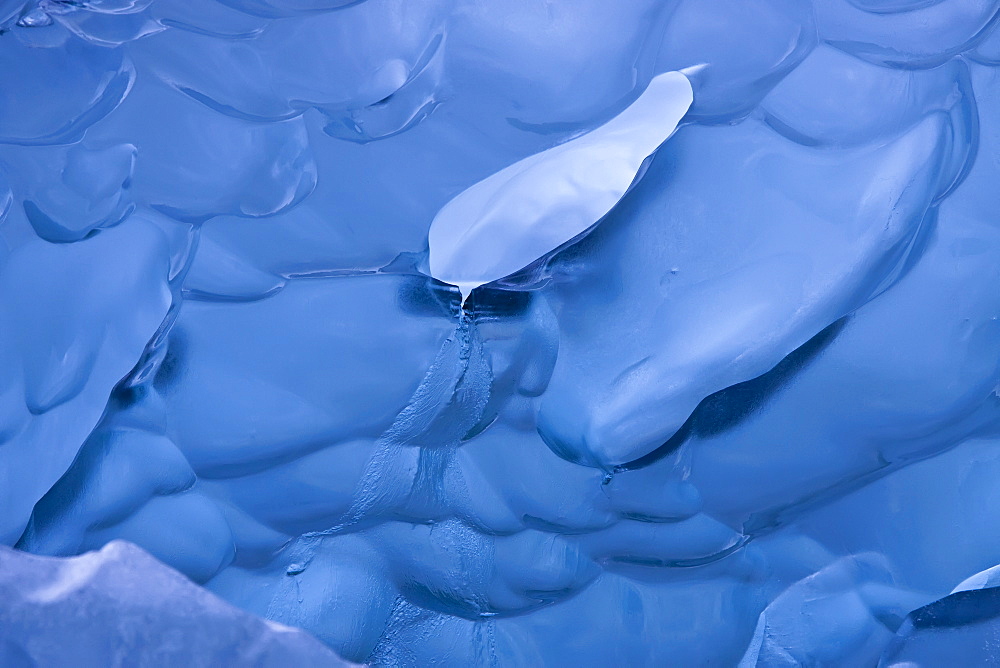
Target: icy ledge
515,216
120,606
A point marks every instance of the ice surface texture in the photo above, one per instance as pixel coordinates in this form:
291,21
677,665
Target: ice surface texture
523,212
121,607
727,392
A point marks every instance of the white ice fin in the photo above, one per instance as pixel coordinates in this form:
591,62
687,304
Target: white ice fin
515,216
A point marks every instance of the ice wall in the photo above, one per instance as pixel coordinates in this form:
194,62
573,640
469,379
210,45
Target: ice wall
727,392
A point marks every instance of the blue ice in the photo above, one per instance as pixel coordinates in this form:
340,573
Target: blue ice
535,332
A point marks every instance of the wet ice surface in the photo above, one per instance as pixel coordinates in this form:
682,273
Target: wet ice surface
750,416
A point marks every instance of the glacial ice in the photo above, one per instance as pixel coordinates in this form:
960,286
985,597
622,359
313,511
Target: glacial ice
529,209
960,628
732,400
121,607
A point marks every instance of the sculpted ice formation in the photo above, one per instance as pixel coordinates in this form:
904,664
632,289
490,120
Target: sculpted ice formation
833,99
747,47
741,409
304,413
532,207
119,606
958,628
829,618
358,57
205,164
106,24
82,188
61,362
570,71
284,8
923,35
744,304
988,50
92,82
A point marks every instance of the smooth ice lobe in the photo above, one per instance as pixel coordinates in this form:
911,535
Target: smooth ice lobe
514,217
62,361
756,293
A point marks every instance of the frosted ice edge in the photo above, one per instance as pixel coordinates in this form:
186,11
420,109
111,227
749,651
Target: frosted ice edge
121,606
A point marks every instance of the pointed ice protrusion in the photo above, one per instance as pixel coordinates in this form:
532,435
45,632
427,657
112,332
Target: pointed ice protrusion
515,216
465,289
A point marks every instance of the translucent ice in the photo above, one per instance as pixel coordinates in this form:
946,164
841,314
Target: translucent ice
91,81
918,34
62,360
754,294
727,391
960,628
745,46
